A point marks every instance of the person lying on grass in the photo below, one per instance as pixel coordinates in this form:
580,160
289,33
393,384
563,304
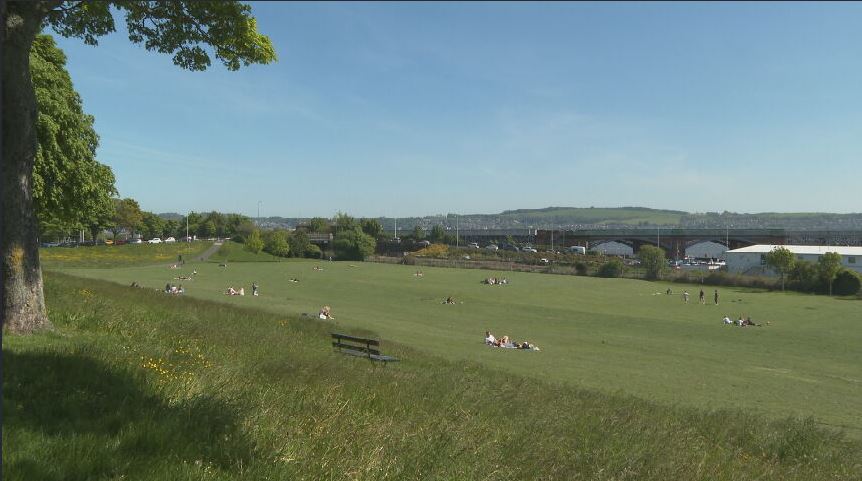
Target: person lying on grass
325,313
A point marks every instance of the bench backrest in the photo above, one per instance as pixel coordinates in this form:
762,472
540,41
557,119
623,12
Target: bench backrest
368,346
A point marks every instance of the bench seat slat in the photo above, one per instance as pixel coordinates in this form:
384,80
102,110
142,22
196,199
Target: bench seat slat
345,344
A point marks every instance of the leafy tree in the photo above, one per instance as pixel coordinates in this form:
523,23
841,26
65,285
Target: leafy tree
318,225
254,243
353,245
69,185
438,234
653,260
344,222
781,260
276,244
152,225
805,276
828,266
418,233
180,28
298,243
611,268
241,232
172,229
128,215
206,229
371,227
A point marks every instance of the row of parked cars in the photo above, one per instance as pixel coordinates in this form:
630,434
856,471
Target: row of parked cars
505,247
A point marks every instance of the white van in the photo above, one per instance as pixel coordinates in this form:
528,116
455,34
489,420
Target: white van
576,250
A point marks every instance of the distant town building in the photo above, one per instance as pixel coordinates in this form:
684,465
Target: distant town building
752,259
706,250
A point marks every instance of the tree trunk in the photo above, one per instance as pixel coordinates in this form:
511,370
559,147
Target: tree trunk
23,308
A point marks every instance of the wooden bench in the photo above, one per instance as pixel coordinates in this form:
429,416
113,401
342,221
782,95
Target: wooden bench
360,346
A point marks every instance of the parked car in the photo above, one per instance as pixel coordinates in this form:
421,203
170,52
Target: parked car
120,242
136,241
509,247
492,247
543,260
529,249
187,239
473,245
154,240
170,239
109,242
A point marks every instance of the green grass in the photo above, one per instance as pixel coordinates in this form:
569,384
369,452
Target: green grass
234,252
607,335
119,256
137,385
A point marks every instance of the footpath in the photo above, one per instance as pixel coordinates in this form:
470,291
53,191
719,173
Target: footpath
209,252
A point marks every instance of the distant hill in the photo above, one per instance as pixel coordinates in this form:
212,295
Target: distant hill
599,217
595,216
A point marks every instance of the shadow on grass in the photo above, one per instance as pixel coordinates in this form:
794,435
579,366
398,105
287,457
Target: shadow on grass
74,417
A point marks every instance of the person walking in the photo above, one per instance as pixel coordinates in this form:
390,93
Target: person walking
715,297
685,296
702,297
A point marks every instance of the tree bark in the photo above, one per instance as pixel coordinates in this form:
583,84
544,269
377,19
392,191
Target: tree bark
23,307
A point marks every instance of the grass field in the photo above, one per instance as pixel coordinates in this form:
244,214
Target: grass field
608,335
123,255
137,385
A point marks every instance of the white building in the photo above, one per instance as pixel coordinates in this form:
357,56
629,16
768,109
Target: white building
752,259
613,248
706,250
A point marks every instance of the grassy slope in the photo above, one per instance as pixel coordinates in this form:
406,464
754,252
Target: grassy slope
601,215
138,385
234,252
603,334
123,255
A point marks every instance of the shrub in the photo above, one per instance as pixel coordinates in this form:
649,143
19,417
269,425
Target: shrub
847,283
276,244
353,244
580,268
312,251
254,243
611,268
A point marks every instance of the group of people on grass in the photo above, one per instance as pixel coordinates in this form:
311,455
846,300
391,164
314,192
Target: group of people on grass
172,289
493,281
255,290
742,322
505,342
701,296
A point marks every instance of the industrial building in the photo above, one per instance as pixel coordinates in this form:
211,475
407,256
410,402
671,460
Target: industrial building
752,259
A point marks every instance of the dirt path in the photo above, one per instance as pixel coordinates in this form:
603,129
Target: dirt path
212,250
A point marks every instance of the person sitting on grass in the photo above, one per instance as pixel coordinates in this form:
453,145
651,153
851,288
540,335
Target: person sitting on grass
727,320
241,291
449,300
230,291
490,340
180,290
325,313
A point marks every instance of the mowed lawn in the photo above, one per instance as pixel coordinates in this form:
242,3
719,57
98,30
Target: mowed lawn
613,335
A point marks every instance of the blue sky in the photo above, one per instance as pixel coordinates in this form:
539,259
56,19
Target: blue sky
402,109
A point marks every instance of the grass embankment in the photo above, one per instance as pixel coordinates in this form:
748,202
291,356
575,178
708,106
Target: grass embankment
127,255
138,385
235,252
604,334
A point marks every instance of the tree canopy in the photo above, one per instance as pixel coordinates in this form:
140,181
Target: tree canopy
782,261
69,185
653,261
183,29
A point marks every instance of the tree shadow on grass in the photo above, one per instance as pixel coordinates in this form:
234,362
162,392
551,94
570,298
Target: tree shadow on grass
75,417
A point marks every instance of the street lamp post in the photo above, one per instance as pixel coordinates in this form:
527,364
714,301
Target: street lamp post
258,212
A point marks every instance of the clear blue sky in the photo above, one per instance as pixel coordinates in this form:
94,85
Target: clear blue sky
402,109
